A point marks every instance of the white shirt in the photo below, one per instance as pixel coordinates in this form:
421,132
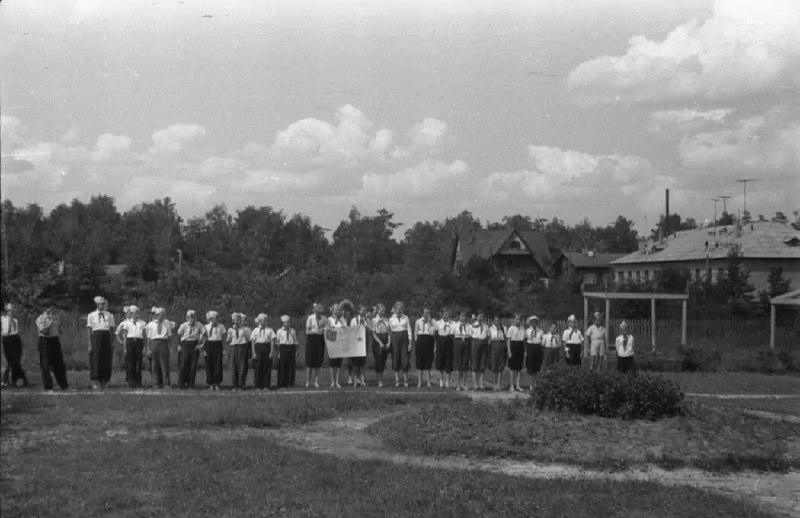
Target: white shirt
238,335
380,325
572,336
462,330
479,331
337,322
286,336
444,327
624,348
400,324
215,333
132,328
550,340
516,333
534,335
191,332
159,330
48,325
358,320
10,325
497,333
421,327
100,321
262,335
314,325
596,334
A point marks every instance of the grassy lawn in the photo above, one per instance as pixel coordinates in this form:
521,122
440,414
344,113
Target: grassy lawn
735,382
59,460
788,406
708,438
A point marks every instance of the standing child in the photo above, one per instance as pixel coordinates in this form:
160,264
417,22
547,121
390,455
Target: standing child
461,350
315,345
214,350
534,350
444,348
239,342
400,325
191,334
596,336
50,355
335,364
287,352
516,351
573,342
424,343
500,350
131,333
359,363
100,324
381,341
159,332
262,348
12,348
479,350
624,345
552,347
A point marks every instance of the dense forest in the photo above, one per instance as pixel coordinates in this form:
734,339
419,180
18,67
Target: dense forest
261,258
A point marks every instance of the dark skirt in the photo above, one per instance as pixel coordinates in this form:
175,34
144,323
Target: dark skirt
286,365
534,358
424,352
400,356
213,352
479,355
315,351
574,354
101,357
499,355
380,353
517,355
444,354
461,354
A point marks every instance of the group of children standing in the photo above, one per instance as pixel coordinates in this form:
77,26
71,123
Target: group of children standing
460,348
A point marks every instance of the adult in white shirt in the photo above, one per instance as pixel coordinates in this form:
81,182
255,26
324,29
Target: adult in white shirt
12,348
400,327
131,334
100,325
213,350
534,350
286,341
159,332
315,344
573,342
443,357
516,351
596,338
239,342
479,350
336,320
51,357
499,352
262,338
359,363
424,329
462,336
192,335
381,343
624,346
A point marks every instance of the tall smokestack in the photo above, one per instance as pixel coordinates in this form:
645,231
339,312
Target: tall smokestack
666,218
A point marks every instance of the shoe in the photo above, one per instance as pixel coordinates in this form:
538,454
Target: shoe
316,384
337,385
349,380
380,384
308,384
405,384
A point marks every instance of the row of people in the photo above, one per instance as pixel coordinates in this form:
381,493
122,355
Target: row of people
461,349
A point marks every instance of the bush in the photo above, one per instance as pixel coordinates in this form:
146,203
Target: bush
607,393
768,362
697,359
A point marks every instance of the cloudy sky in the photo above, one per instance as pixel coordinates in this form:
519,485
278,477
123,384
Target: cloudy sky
570,109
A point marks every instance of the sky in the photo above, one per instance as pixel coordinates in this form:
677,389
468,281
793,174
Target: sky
581,109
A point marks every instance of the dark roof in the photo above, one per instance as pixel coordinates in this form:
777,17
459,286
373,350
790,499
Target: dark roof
486,243
581,260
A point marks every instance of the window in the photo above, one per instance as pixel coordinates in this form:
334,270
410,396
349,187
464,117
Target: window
620,276
646,274
638,276
630,275
720,274
514,245
697,274
590,278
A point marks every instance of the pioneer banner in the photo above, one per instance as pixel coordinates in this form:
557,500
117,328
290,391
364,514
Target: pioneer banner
346,342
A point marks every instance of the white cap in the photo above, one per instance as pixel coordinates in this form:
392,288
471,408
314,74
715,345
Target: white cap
154,309
99,300
532,318
133,309
572,317
285,318
160,311
191,313
212,314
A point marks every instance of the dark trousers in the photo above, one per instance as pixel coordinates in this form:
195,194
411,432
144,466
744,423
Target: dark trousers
380,353
52,359
187,364
461,354
444,354
241,355
213,352
286,365
12,348
159,350
573,356
101,357
479,355
424,352
262,366
400,356
534,356
133,361
625,364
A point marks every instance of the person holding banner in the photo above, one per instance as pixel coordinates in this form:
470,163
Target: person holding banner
443,348
239,342
516,351
213,350
400,327
381,343
100,324
262,347
461,350
424,343
286,341
335,364
315,345
479,350
131,333
359,362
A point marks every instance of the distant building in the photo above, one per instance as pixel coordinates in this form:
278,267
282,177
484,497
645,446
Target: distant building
520,253
593,268
764,244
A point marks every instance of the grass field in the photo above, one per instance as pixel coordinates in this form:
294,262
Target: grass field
126,454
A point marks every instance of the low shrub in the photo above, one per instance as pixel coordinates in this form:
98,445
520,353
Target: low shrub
768,361
607,393
697,359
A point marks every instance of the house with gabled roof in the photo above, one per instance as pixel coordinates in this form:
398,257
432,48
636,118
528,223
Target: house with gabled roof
593,268
765,245
517,252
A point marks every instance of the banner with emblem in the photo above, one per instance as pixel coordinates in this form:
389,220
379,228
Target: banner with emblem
346,342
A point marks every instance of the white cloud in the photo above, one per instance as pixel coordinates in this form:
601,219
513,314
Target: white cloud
430,133
10,130
745,47
176,138
429,180
686,119
71,135
108,148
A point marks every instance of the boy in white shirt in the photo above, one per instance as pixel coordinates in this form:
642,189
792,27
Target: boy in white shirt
596,337
573,342
624,346
262,339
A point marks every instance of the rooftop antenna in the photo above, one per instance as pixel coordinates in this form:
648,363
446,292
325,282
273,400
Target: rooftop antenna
724,204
